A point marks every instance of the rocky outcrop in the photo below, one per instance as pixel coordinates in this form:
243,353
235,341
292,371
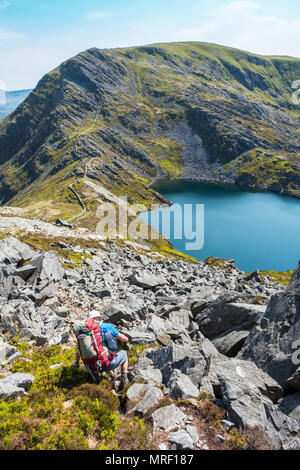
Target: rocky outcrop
274,344
192,326
25,290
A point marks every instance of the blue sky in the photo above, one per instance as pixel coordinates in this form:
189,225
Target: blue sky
37,35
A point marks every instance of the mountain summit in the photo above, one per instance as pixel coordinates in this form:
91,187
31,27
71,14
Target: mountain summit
128,117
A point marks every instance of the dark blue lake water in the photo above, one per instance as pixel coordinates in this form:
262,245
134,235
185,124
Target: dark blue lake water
258,230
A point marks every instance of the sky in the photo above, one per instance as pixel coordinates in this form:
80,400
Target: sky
37,35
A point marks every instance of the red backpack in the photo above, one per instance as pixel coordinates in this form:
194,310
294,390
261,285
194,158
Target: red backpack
94,354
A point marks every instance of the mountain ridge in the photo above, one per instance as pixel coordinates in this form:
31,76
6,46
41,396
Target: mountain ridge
186,110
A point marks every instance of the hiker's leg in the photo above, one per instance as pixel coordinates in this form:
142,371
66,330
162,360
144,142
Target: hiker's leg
124,370
124,367
120,360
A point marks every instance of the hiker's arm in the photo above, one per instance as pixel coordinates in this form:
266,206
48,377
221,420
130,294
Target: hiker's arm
122,338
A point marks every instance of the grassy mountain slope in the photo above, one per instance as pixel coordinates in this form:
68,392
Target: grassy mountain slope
125,118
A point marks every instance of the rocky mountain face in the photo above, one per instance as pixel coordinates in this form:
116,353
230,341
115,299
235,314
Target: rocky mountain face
206,334
129,117
274,344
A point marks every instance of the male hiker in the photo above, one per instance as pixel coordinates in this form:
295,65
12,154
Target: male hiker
106,338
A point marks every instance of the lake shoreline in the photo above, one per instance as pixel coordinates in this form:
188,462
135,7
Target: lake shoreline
258,229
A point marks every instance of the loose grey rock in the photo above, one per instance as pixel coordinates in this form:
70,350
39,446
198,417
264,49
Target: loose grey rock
192,431
181,386
182,439
152,375
151,398
25,272
294,380
13,251
15,385
7,352
223,316
136,391
167,418
290,406
230,343
147,281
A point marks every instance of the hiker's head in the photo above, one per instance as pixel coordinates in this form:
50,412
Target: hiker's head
95,315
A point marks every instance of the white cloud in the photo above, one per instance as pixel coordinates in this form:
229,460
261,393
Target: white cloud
6,35
97,15
242,24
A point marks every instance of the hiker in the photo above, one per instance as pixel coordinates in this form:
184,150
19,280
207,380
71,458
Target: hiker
109,336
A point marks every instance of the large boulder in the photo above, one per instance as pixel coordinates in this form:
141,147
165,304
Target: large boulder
147,280
174,324
290,406
139,336
249,396
230,343
183,358
294,380
245,375
274,345
181,386
225,315
151,398
6,279
167,418
12,251
115,312
182,439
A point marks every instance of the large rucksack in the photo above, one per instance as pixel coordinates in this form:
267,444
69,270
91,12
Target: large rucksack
93,351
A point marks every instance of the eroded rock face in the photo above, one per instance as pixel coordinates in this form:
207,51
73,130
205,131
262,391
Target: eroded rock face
12,251
274,343
223,315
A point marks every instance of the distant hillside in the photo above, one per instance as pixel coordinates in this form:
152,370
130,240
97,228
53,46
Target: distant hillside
13,99
128,117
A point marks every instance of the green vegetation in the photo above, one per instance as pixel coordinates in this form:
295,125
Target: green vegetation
64,411
279,277
226,265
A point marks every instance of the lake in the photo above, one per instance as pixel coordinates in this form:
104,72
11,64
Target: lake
258,230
